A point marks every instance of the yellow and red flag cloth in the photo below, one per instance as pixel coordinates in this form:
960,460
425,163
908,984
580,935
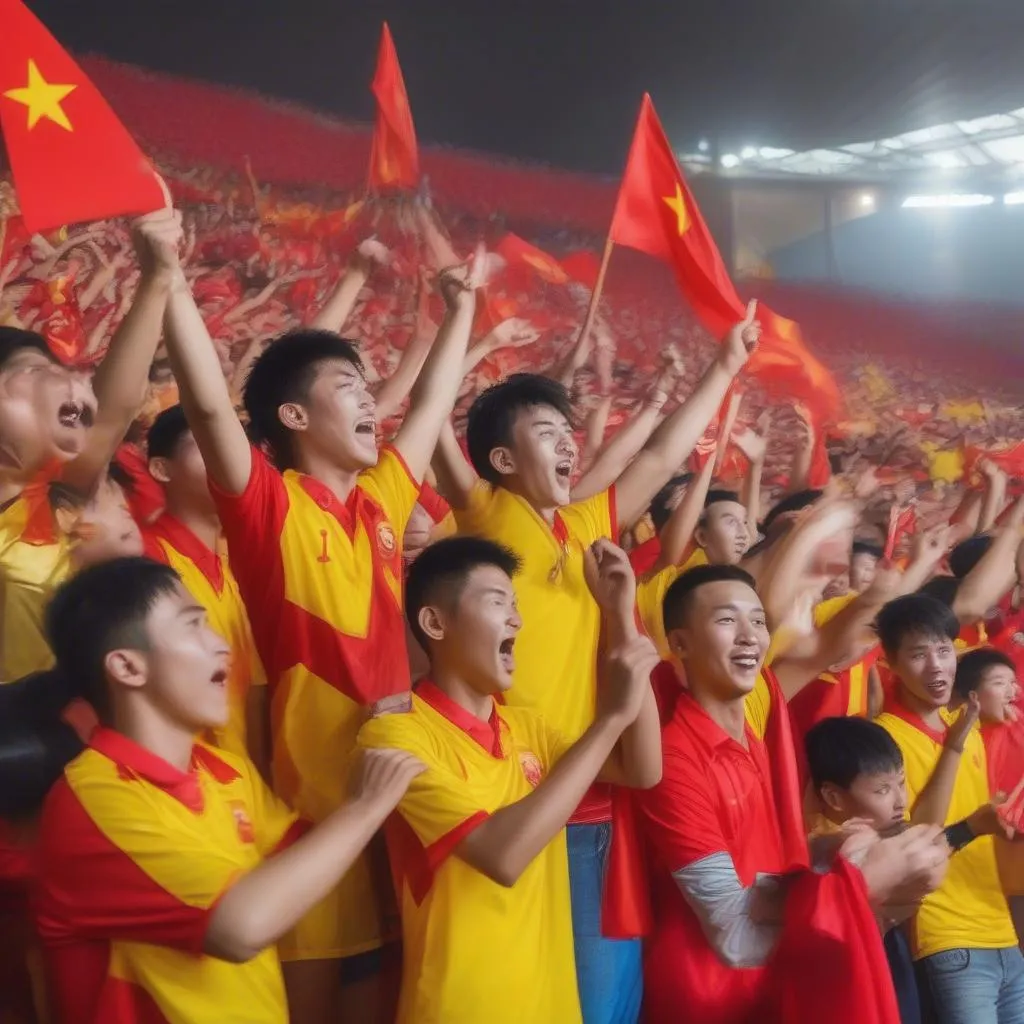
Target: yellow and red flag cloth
71,157
394,156
519,253
656,213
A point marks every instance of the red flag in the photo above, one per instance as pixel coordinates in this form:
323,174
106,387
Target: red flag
901,523
657,214
394,157
583,266
1009,458
72,158
519,253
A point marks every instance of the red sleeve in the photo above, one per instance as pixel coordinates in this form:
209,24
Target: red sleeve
679,813
89,890
252,522
433,504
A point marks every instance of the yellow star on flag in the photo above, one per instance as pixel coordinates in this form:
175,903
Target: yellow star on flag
677,204
42,98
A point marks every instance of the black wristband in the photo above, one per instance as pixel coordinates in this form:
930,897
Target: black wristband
959,835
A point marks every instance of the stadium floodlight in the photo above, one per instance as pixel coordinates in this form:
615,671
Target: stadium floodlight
730,160
867,200
748,152
703,145
1014,199
947,201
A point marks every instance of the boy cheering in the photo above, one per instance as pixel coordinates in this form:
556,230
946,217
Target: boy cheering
479,844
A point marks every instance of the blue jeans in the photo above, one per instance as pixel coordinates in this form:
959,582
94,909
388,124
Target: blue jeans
608,971
976,986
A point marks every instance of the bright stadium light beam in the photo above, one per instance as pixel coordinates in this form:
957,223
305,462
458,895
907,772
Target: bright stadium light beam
748,152
867,200
730,160
1013,199
703,145
947,201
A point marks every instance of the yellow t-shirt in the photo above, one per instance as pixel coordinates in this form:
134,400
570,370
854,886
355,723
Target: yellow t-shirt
34,561
969,909
475,950
650,597
556,650
208,578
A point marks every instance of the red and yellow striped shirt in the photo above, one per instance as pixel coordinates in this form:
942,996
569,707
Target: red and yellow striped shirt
133,857
322,582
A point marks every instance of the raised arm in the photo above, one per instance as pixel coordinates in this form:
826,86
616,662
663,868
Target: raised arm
338,307
677,534
121,380
393,391
673,441
995,494
437,386
204,393
456,478
994,575
503,846
265,903
630,438
753,444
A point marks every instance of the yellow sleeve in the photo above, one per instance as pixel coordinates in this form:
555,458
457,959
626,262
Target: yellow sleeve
650,597
826,611
438,802
476,517
592,518
758,706
393,486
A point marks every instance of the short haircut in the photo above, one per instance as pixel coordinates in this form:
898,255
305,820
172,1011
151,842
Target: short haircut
967,554
166,433
679,597
493,414
661,504
35,742
792,503
840,749
915,615
973,665
15,339
865,547
284,372
103,608
715,497
942,588
440,572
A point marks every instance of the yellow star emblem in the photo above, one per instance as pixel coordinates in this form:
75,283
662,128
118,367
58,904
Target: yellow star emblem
42,98
677,204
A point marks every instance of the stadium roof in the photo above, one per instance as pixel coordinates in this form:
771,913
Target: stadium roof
993,144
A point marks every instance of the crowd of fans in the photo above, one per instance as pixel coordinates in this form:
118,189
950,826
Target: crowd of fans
776,772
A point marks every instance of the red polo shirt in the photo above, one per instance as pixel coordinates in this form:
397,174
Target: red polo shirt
714,797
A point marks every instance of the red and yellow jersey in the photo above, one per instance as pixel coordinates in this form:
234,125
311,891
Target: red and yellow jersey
475,950
650,597
208,578
322,582
35,558
133,856
556,650
969,909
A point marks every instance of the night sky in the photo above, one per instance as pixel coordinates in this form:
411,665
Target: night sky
560,82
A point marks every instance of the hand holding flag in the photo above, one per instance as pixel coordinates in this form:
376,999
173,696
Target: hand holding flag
741,341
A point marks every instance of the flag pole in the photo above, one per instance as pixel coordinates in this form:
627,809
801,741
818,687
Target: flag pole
595,298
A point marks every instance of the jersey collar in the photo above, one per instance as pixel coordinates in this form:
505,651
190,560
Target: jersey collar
703,726
185,542
487,734
136,762
901,711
